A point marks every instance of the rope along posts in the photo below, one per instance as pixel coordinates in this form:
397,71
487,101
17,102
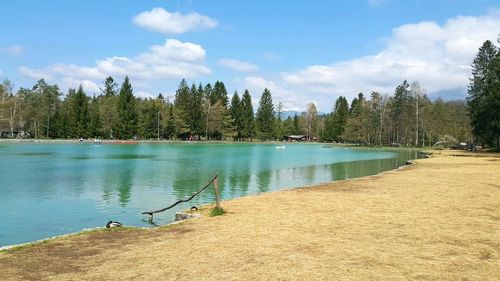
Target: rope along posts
213,180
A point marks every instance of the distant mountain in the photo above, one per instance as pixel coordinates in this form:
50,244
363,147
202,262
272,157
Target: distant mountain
291,113
450,94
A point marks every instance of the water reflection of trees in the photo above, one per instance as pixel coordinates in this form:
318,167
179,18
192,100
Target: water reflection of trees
125,181
264,180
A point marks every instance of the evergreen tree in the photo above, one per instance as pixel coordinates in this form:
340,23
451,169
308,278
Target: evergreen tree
265,116
219,93
401,114
126,127
279,129
78,113
247,116
148,119
197,119
288,126
107,107
236,113
171,130
482,93
182,108
110,87
296,125
95,121
357,127
335,123
377,111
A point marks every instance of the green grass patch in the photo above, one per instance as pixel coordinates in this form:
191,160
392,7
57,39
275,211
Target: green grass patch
217,212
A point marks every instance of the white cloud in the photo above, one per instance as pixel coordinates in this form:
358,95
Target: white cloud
172,60
34,73
257,84
143,94
438,56
13,50
159,19
88,86
238,65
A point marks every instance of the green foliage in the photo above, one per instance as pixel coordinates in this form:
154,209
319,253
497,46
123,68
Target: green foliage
127,121
171,130
77,114
247,116
484,94
217,212
236,113
408,117
336,122
219,93
110,87
265,116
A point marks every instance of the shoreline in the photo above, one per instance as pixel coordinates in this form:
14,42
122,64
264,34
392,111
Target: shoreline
436,219
204,206
88,230
163,141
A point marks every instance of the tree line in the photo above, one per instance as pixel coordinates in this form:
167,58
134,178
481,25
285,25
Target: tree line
206,112
484,95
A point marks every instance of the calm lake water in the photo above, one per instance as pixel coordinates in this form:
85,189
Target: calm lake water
53,189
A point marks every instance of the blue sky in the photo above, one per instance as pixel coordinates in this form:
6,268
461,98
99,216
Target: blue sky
303,51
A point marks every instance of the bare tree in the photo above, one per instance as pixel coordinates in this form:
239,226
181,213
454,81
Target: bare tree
311,115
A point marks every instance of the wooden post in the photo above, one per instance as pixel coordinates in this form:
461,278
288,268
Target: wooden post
216,188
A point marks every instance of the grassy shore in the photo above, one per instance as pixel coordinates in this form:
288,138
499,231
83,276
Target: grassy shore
436,220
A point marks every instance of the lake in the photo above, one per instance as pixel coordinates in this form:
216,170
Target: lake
49,189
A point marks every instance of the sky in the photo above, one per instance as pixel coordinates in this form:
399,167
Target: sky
302,51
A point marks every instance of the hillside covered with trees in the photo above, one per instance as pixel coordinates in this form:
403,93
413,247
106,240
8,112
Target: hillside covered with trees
207,112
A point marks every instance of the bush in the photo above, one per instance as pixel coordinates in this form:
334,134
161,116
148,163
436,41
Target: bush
217,212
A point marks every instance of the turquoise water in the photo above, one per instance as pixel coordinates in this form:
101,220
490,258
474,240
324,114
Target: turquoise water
53,189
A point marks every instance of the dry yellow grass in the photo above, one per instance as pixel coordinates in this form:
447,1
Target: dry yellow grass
436,220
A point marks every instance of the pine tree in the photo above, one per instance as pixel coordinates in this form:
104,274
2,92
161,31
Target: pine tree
481,94
126,127
236,115
247,116
107,109
492,102
265,116
356,127
296,125
220,93
377,111
400,113
78,114
94,129
171,130
335,123
182,108
110,87
279,126
197,119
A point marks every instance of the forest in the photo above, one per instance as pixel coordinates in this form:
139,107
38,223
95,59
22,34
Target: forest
407,117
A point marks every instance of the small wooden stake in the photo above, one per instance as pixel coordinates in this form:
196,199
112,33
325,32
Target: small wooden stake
216,188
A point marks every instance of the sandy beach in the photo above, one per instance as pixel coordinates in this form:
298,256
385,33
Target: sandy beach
438,219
